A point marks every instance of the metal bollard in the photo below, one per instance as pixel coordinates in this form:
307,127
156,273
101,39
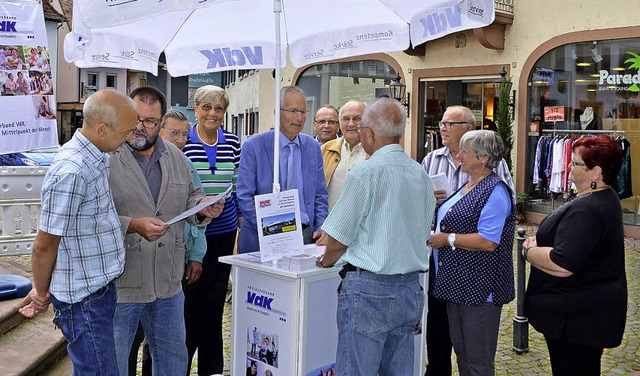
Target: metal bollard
520,322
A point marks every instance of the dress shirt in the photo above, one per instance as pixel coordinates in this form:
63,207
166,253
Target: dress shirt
348,158
285,150
151,168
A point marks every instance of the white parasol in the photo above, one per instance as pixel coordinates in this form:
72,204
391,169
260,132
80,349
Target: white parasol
201,36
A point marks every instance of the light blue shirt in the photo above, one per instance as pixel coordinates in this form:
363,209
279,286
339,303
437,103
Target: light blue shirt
384,214
194,237
284,155
77,205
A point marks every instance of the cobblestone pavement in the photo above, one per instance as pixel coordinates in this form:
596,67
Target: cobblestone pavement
623,360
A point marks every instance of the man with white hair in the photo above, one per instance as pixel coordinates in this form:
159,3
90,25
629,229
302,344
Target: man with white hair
341,154
378,229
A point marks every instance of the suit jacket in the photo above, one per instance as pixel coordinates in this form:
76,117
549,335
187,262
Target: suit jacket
255,177
152,269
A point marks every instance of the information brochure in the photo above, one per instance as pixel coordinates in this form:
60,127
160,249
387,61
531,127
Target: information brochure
199,207
441,183
279,225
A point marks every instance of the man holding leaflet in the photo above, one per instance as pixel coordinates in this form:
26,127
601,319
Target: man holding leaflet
456,121
151,183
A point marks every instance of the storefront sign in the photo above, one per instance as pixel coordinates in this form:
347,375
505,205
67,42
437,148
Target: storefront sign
554,113
543,75
197,80
613,81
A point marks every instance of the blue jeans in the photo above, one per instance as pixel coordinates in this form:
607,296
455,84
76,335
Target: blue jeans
88,327
163,324
376,316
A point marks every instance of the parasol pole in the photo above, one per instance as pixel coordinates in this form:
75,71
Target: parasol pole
277,10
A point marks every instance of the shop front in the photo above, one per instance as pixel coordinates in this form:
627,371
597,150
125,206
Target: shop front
579,89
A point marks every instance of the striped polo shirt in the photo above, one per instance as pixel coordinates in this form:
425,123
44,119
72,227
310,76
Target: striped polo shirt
216,177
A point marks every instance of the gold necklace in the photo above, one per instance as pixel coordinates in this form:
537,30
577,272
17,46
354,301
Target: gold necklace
469,185
202,139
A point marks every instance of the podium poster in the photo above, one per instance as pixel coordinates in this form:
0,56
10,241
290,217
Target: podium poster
266,313
279,225
27,105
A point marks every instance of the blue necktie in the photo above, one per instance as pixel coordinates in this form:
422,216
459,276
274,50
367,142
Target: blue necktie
291,171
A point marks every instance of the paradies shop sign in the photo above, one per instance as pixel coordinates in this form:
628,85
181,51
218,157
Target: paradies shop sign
622,82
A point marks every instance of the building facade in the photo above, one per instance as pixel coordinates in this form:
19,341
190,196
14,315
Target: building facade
562,57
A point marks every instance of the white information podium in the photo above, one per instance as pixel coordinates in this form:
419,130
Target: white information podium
284,320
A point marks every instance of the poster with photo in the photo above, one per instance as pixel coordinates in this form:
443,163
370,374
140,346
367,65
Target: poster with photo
28,116
264,320
279,225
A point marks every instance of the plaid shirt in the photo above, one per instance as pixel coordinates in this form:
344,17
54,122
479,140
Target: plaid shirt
440,160
77,205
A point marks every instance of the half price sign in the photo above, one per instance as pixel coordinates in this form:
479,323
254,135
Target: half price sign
554,113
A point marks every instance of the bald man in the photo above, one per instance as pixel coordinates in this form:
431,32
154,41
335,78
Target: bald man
79,249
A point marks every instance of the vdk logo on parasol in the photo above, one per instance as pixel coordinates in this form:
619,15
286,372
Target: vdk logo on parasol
227,57
438,22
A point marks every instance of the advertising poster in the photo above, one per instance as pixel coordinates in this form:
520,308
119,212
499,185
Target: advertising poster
266,314
27,105
279,225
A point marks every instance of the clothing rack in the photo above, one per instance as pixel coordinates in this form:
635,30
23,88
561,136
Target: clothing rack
584,131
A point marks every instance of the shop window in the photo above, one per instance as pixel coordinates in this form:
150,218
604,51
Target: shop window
338,83
583,89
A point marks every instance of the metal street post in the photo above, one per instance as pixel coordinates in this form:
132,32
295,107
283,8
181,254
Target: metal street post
520,322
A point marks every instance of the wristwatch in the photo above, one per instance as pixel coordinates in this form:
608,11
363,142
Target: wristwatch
452,240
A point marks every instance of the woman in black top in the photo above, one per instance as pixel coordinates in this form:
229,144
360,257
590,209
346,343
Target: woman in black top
577,292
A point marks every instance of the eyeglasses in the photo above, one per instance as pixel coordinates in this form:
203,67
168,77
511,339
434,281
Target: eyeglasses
176,133
330,122
295,112
574,163
356,119
359,128
448,124
148,123
207,108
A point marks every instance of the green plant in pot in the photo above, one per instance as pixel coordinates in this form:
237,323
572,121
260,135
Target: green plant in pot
522,200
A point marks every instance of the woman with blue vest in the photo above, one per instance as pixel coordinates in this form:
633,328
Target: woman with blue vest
472,248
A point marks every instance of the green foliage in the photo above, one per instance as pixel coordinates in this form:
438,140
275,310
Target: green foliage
504,119
635,63
522,198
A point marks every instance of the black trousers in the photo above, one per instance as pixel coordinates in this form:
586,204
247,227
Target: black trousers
133,355
438,339
568,359
204,305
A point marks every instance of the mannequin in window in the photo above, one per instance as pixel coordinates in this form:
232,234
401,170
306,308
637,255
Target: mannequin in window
590,121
